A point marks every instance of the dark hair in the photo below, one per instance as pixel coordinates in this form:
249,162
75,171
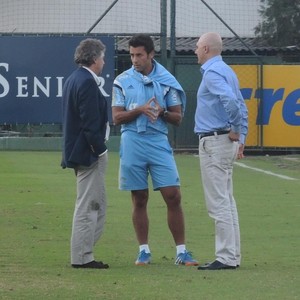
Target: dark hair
142,40
87,51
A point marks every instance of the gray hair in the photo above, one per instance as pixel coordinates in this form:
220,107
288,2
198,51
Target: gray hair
88,51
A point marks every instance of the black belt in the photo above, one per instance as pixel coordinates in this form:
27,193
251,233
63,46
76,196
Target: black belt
211,133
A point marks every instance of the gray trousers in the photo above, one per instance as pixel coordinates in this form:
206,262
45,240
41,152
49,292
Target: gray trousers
217,155
90,210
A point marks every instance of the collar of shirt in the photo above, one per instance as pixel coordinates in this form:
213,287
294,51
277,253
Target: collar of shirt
94,75
208,63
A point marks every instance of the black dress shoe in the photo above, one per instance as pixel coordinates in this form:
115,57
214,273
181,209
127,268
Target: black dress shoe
216,265
92,265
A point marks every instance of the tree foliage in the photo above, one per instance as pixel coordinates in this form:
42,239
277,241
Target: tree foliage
280,25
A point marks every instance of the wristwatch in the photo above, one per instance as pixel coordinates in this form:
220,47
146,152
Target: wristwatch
165,112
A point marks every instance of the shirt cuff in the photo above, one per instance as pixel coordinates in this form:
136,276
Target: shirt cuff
242,139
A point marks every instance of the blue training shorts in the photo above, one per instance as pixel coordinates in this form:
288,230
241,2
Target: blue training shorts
144,154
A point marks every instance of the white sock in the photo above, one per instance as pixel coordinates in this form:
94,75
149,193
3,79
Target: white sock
145,247
180,249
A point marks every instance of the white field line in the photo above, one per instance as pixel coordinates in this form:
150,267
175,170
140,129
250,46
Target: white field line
264,171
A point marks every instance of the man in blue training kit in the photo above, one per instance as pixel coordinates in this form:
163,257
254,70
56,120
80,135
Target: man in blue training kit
145,98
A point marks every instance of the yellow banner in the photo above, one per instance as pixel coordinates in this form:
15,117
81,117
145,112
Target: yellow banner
275,121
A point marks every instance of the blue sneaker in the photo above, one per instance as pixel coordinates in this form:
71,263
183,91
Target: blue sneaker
186,259
143,258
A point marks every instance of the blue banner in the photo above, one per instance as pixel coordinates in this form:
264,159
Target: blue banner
32,74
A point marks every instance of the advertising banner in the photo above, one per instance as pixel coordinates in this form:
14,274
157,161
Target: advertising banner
274,121
32,74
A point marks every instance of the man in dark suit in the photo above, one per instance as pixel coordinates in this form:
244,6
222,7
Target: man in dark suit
85,128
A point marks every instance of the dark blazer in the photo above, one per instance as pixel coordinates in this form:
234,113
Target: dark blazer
84,112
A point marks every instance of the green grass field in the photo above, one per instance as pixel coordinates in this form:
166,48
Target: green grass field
36,207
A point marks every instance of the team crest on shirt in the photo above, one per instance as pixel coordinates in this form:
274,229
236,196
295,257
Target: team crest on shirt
132,106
